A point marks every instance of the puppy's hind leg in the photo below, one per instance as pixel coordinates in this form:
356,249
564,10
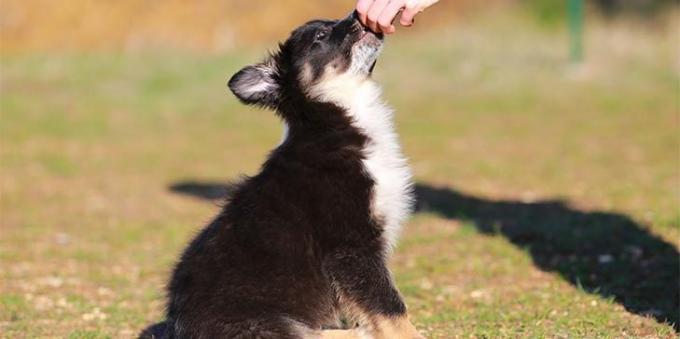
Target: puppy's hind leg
366,292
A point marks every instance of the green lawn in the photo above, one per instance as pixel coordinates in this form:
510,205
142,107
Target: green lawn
548,194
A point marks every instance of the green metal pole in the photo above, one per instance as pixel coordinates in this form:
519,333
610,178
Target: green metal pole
575,9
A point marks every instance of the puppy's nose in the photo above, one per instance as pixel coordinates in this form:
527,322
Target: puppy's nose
353,18
354,15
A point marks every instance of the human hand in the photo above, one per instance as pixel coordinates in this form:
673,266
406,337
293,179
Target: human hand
378,15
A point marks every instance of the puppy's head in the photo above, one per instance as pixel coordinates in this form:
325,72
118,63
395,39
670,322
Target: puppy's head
318,52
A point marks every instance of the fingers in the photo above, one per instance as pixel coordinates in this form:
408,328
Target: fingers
409,14
378,15
388,14
362,8
374,13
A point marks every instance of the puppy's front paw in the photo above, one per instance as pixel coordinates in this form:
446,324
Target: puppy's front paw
339,334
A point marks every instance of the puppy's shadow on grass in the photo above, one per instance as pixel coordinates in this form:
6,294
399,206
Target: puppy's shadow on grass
603,253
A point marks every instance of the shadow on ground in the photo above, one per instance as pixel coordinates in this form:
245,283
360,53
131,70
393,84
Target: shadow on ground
604,253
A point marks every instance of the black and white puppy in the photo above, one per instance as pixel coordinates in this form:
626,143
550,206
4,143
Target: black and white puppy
305,242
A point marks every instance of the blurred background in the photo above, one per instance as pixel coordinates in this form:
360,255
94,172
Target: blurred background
544,137
219,26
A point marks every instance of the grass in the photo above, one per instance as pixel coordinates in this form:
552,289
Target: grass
548,194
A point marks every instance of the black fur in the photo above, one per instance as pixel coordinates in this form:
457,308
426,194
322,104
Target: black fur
298,239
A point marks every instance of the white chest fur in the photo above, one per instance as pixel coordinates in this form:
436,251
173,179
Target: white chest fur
392,197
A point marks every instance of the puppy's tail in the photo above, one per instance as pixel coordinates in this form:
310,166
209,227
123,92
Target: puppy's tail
156,331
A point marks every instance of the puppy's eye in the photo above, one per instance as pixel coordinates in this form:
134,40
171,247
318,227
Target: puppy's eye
321,35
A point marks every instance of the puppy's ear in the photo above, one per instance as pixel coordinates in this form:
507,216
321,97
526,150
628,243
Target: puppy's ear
257,84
